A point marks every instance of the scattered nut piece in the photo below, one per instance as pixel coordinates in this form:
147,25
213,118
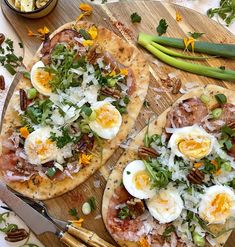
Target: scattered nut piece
23,100
2,38
2,82
144,152
16,235
196,176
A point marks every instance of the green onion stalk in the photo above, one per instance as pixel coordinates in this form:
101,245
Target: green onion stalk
167,56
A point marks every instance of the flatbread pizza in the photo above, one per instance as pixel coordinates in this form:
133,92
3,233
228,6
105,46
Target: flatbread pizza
174,185
85,90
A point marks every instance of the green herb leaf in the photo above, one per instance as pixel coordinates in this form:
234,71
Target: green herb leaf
222,67
168,231
92,203
73,212
20,45
146,104
10,69
84,34
62,140
195,35
162,27
124,213
135,18
221,98
26,74
9,228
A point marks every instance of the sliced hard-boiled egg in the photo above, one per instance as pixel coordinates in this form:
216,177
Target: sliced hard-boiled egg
166,205
39,148
107,120
40,78
136,180
217,204
191,142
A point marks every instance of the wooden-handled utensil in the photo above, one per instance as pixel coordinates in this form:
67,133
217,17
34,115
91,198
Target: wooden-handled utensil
68,234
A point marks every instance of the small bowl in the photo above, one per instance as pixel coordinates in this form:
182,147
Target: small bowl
38,13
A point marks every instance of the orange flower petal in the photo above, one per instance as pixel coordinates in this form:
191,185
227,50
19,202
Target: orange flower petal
88,42
93,32
30,33
85,7
124,71
24,132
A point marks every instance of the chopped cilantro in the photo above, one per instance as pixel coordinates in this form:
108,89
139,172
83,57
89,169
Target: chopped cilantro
162,27
92,203
135,17
169,229
62,140
20,45
146,104
221,98
124,213
73,212
128,173
222,67
195,35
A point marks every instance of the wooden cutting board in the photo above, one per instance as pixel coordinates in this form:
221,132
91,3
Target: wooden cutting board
116,17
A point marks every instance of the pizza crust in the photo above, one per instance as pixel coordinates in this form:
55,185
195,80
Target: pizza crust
155,127
42,188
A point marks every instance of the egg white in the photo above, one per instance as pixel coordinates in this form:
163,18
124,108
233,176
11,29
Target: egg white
128,180
191,132
207,210
108,132
166,205
36,83
39,149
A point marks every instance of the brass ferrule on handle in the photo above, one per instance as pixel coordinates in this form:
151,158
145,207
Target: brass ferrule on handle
69,240
89,237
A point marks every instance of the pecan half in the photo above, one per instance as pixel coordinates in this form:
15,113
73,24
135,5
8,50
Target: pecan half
2,38
2,82
232,125
108,91
144,152
23,100
172,83
16,235
196,176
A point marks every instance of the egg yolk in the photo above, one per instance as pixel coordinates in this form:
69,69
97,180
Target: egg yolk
43,147
141,180
221,204
106,117
194,149
43,77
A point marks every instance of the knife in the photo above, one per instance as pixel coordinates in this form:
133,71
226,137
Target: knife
34,220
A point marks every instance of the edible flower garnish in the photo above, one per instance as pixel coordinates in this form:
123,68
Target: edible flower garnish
93,32
189,41
113,73
77,223
124,71
24,132
178,17
85,7
88,42
143,242
41,33
85,159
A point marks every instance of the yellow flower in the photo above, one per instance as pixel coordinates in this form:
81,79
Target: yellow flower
43,30
143,242
93,32
113,73
85,159
124,71
24,132
188,42
178,17
85,7
77,223
88,42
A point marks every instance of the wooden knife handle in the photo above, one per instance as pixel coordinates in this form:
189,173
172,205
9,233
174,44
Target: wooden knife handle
87,236
70,241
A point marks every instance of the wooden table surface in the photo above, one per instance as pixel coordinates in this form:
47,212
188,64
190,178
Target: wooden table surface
116,17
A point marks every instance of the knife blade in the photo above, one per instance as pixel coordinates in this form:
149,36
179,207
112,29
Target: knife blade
33,219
